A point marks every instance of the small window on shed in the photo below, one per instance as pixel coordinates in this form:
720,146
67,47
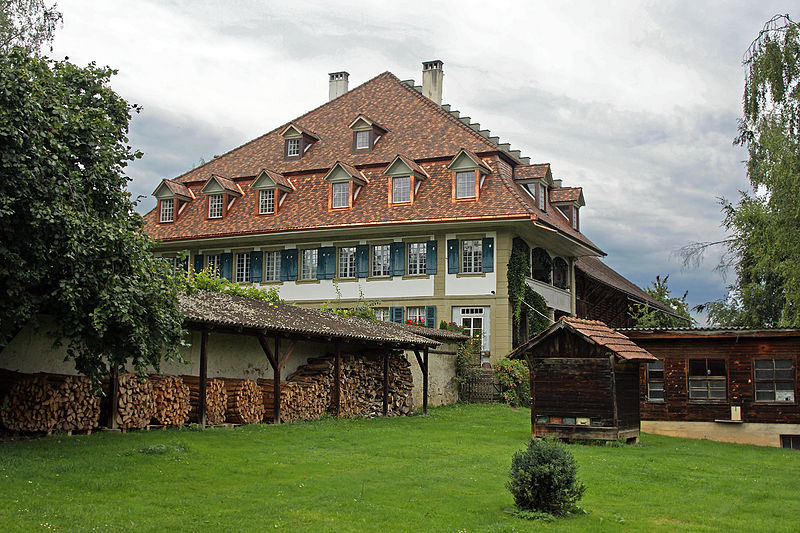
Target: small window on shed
655,381
791,442
774,380
707,379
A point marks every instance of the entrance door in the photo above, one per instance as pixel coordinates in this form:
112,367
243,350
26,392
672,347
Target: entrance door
476,321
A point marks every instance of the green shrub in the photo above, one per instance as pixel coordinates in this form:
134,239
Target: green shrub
543,478
515,381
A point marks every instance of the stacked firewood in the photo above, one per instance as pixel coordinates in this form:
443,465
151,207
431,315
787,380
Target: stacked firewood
306,400
135,402
216,400
171,398
44,403
245,403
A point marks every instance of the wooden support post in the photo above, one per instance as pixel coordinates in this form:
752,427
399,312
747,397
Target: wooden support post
203,376
114,393
533,396
614,392
425,383
385,383
275,363
337,381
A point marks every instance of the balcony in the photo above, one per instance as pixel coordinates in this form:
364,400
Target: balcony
556,298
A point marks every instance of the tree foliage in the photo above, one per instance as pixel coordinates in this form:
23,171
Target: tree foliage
763,243
71,245
28,24
652,317
210,280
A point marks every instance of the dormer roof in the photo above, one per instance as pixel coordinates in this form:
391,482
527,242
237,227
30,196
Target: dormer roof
567,195
467,160
403,166
362,122
219,185
172,189
538,171
293,131
340,172
268,179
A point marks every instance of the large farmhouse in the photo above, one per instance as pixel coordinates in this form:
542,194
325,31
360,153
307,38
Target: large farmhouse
386,194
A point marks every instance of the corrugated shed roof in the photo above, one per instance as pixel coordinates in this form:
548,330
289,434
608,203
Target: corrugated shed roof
431,333
226,310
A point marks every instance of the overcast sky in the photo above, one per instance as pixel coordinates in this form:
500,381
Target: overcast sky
636,102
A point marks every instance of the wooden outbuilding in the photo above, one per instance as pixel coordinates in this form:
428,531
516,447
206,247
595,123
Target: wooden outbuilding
584,379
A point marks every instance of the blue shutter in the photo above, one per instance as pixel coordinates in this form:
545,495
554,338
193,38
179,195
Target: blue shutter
430,316
227,266
288,265
326,262
362,261
198,262
488,254
430,257
452,256
396,314
398,250
255,266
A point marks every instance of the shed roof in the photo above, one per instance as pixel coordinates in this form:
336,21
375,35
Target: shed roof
442,335
592,331
228,311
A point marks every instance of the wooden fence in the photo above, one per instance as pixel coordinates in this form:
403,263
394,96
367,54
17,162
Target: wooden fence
481,386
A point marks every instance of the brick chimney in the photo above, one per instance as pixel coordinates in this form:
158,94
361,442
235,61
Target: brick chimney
337,84
432,75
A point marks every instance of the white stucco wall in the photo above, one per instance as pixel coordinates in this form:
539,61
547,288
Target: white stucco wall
442,386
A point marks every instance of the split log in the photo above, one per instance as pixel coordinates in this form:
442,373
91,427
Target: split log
245,404
135,402
171,398
216,400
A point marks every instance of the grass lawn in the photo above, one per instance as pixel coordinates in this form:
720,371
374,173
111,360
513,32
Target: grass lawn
443,472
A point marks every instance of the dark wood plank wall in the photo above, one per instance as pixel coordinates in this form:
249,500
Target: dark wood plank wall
738,353
627,377
596,301
574,387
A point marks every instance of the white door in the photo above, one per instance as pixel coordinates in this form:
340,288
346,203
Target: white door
476,321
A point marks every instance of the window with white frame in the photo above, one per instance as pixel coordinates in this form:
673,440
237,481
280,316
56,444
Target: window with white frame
215,203
381,265
655,381
415,315
707,379
416,258
266,202
542,197
166,210
362,139
382,314
213,264
471,256
293,147
472,321
340,192
177,265
774,380
347,262
242,268
308,266
401,190
465,184
272,266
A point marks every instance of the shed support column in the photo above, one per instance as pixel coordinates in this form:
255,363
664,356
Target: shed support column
423,366
276,383
614,393
114,392
203,376
386,384
533,397
337,381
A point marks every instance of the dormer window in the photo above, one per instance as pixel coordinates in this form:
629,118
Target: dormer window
568,200
465,184
215,205
167,210
469,174
346,182
292,147
266,202
401,190
542,197
297,141
272,189
366,133
340,195
362,140
173,197
575,224
405,177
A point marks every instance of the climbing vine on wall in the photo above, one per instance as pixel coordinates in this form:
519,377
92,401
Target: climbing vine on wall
525,302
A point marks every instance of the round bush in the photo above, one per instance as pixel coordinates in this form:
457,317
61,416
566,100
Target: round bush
543,478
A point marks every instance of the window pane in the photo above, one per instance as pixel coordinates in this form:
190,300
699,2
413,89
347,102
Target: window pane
764,374
766,396
401,190
242,268
271,266
764,363
783,364
293,147
266,202
362,139
215,206
784,396
166,210
308,269
471,256
417,263
340,194
784,374
655,365
465,185
716,367
347,262
380,260
697,367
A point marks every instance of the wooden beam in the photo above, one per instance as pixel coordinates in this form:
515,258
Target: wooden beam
533,396
203,376
287,353
114,386
265,346
425,382
337,381
276,383
614,390
385,383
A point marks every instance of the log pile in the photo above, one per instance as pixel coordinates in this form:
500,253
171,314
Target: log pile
216,400
306,400
135,402
44,403
171,398
245,403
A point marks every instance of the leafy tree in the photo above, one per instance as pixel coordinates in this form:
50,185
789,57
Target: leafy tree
71,245
652,317
28,24
763,245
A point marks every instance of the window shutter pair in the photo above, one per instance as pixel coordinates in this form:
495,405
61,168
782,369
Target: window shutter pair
362,260
430,257
430,316
255,266
227,265
326,262
396,314
198,262
289,265
453,259
398,251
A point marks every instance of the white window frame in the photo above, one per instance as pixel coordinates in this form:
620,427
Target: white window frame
382,314
272,266
363,140
292,147
308,263
401,190
471,256
417,258
655,383
459,313
242,268
542,197
416,314
167,210
340,192
347,262
465,185
214,264
266,202
381,257
215,205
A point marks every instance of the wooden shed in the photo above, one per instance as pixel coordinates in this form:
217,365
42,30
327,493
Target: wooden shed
584,381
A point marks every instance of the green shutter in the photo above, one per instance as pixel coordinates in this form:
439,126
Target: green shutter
488,254
398,254
255,266
288,265
227,266
452,256
396,314
430,316
430,257
362,261
326,262
198,262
